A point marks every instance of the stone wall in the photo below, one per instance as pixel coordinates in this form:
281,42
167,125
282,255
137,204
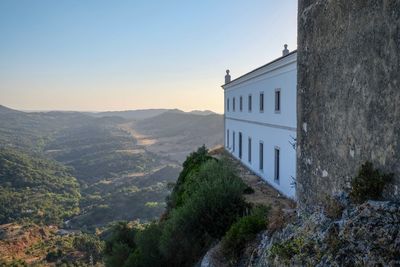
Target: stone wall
348,93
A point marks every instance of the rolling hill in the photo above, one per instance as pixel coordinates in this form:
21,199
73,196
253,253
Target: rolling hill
118,177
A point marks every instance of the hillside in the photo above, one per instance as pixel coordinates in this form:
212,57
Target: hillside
120,176
178,133
31,131
33,245
37,189
139,114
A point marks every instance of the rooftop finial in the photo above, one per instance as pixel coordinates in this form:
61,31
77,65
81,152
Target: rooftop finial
285,51
227,77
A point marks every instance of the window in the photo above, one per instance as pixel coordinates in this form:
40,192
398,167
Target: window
240,145
261,156
277,100
249,150
227,138
241,103
261,101
277,161
234,104
233,140
227,104
249,102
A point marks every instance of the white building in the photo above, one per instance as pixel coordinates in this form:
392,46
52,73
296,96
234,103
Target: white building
260,121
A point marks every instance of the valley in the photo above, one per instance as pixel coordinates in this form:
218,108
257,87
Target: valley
123,161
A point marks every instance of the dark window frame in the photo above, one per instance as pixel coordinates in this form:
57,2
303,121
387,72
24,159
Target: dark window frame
277,156
227,138
249,149
233,141
278,100
250,102
240,141
261,156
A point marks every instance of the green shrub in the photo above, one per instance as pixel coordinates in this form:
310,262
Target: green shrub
368,184
91,245
147,252
206,201
190,167
119,244
243,231
290,248
212,201
248,190
54,255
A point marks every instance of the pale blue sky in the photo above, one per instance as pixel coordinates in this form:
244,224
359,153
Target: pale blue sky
118,55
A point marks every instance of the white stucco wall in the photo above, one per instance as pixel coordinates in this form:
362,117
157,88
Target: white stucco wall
274,129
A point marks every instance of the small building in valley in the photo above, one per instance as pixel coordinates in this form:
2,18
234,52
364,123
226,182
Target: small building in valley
260,121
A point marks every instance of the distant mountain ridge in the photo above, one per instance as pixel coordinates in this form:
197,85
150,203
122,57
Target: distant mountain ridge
113,156
141,114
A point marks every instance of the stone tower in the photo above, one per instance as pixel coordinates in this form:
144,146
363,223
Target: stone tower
348,94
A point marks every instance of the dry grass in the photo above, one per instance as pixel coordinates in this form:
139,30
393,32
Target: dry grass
276,221
332,207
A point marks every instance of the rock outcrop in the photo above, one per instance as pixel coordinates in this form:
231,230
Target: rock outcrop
362,235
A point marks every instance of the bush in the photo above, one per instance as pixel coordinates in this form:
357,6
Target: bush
206,201
287,249
190,167
91,245
248,190
212,201
147,252
368,184
119,245
243,231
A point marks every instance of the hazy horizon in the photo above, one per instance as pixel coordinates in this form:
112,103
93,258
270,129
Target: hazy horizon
103,56
100,111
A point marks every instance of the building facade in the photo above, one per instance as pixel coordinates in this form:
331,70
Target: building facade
260,121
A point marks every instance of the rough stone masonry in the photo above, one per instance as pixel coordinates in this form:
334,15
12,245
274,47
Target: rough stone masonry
348,94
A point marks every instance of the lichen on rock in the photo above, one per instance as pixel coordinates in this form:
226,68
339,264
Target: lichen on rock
365,235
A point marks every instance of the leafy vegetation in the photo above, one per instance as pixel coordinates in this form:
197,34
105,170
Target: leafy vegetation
119,244
243,231
91,245
206,201
215,202
369,183
29,244
191,167
287,249
36,189
116,179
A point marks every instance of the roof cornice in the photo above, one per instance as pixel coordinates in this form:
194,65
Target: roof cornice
270,66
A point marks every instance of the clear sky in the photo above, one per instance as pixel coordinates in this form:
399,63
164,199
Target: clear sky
119,55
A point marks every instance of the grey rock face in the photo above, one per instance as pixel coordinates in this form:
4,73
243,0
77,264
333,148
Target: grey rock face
365,235
348,94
